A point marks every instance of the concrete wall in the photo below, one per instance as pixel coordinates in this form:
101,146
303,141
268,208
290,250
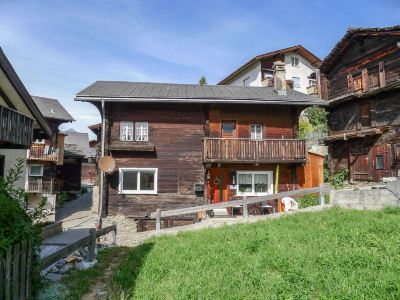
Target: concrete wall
254,72
370,199
302,71
11,156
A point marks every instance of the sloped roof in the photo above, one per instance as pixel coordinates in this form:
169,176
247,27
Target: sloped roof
52,109
351,33
190,93
312,58
12,76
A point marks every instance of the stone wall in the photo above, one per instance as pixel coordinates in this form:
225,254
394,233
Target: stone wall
367,198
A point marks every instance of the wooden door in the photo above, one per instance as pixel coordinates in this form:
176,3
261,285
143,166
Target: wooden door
360,162
380,162
218,185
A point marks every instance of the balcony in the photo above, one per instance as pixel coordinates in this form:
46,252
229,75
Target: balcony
42,186
247,150
312,90
43,153
15,128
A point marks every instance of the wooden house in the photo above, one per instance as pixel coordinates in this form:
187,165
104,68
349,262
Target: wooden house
180,145
360,79
19,118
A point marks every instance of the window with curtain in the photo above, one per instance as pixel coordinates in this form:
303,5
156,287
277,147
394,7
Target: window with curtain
141,131
256,131
126,131
254,182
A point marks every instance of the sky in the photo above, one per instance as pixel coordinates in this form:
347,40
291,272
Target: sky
60,47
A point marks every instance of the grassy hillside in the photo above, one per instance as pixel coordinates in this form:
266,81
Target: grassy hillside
330,254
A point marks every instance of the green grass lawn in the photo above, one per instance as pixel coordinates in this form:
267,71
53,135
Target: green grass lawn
335,253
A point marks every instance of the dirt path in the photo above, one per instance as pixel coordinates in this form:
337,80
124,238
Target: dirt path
98,289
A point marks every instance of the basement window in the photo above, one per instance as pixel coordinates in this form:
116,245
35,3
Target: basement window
138,180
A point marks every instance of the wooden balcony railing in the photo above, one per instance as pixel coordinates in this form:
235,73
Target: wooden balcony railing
43,153
15,128
43,186
247,150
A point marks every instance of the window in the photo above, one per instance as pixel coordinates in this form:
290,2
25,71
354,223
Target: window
295,61
126,131
256,131
267,74
312,82
35,170
254,183
246,81
138,180
141,131
379,162
228,129
296,82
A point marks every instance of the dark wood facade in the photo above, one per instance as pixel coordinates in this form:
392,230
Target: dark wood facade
360,78
178,134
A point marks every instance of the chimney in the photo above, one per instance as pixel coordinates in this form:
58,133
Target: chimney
279,77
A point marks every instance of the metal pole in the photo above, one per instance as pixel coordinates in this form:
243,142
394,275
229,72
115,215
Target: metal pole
321,194
103,126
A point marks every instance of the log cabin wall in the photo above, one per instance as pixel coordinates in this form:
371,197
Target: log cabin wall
368,63
278,121
357,83
176,131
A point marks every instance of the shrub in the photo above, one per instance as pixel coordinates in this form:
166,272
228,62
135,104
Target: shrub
310,200
62,198
338,179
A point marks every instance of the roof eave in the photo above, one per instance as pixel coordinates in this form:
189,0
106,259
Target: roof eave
208,100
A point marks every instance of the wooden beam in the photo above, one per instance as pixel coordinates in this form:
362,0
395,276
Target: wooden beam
6,99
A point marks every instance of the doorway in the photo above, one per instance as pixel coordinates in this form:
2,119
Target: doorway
218,185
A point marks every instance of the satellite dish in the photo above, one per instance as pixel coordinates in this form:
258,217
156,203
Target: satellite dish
107,164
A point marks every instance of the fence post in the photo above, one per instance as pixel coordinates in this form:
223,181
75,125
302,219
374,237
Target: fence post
245,211
321,194
114,234
158,221
92,244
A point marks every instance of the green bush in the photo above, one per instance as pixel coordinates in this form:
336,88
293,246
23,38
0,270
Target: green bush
17,223
310,200
62,198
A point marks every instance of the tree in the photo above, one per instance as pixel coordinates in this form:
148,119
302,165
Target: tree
203,80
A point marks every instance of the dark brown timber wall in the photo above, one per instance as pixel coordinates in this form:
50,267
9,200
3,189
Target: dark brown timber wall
176,131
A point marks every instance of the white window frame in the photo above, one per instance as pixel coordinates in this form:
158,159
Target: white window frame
35,165
138,191
254,137
294,86
141,136
122,135
253,193
294,61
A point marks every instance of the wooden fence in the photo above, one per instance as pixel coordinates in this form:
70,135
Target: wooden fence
16,271
89,240
322,189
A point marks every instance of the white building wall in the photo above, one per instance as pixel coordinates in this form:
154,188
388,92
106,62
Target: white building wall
11,156
253,74
302,71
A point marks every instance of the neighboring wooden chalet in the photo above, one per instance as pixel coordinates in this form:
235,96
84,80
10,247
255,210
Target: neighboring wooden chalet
360,78
179,145
46,154
19,117
300,66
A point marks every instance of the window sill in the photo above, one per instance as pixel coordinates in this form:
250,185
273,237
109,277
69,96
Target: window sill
138,193
253,194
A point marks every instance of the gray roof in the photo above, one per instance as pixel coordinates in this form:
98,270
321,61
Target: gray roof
52,109
78,142
167,92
